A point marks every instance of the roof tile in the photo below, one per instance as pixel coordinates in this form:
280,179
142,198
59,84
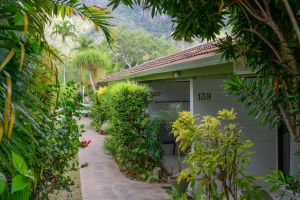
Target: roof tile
200,51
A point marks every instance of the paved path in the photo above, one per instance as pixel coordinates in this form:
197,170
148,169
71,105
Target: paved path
102,180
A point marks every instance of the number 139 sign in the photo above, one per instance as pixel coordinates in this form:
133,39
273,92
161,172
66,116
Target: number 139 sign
204,96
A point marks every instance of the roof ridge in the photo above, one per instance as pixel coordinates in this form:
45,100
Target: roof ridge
180,52
196,51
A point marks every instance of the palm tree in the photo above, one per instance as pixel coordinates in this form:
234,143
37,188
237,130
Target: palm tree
92,60
84,43
65,29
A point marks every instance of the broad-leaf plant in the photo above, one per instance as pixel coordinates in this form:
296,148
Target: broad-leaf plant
32,158
216,156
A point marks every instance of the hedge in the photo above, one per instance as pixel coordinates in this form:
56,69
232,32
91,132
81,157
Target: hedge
133,138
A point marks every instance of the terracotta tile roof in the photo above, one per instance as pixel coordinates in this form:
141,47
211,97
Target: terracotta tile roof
194,53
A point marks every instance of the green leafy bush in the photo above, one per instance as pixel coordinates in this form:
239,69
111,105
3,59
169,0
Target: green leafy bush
133,138
100,109
62,143
287,186
218,158
36,141
34,166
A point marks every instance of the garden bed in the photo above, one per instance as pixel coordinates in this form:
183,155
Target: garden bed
75,193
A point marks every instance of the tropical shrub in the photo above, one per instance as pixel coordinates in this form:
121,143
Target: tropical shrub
35,144
286,186
167,117
62,143
133,138
35,167
218,158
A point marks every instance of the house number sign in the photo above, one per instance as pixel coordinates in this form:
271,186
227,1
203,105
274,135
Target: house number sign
155,94
204,96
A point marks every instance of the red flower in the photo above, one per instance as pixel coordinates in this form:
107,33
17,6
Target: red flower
86,143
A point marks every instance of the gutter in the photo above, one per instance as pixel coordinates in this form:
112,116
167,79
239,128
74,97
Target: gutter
183,65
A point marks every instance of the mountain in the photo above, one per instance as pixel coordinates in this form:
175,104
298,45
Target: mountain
136,17
131,18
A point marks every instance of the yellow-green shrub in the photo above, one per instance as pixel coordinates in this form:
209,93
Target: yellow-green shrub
218,157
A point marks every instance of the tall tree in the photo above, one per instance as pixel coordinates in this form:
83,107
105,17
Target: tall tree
92,60
84,43
134,47
265,38
65,29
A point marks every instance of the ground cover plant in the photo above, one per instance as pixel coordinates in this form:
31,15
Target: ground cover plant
218,157
286,186
132,139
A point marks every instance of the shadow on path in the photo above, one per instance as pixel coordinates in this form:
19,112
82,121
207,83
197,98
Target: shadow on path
102,180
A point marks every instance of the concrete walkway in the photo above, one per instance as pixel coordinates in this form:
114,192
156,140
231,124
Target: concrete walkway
102,180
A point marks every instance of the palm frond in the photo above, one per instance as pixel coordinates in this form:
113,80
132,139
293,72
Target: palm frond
168,116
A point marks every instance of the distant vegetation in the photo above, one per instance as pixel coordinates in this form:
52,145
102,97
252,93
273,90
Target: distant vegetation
132,47
138,39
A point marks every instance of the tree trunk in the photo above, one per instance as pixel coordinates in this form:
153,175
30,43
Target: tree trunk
127,62
91,80
264,15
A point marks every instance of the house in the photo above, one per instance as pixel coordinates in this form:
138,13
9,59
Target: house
195,77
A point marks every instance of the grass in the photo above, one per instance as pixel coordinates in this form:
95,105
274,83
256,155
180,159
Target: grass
76,192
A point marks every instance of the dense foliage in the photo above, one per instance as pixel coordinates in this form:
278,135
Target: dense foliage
36,166
92,60
100,109
218,158
65,29
132,136
265,37
287,186
84,43
58,150
131,47
138,46
36,141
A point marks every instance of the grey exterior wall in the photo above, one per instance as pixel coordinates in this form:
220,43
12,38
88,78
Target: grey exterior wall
169,92
294,164
264,138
